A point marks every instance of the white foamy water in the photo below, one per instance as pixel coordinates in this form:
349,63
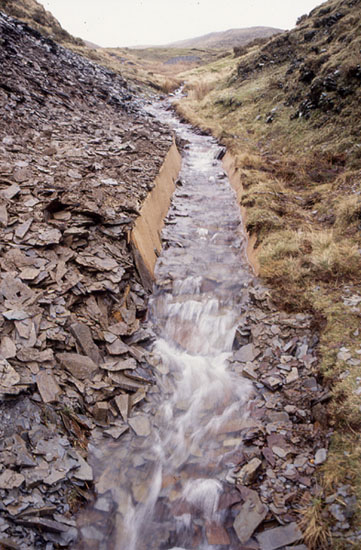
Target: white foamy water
167,488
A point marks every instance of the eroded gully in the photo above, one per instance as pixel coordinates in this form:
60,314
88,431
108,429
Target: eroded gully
169,483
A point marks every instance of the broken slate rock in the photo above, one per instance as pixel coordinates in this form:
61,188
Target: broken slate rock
7,348
246,354
83,336
117,347
3,215
8,375
49,236
10,192
122,402
272,539
140,425
11,480
248,471
48,387
85,471
80,366
252,513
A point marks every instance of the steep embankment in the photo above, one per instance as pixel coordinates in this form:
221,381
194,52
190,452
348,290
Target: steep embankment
78,157
34,14
289,112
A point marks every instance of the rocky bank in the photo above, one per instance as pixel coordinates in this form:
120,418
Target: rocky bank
78,157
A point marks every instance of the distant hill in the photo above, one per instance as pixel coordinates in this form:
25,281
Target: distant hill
226,39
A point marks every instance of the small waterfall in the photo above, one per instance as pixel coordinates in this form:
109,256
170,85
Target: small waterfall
166,487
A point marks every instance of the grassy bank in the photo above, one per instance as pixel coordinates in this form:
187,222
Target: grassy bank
300,164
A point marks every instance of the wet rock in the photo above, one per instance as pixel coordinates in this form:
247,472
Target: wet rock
140,424
246,354
252,513
221,153
116,431
248,472
272,539
217,535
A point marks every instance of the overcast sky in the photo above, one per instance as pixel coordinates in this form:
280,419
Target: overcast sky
133,22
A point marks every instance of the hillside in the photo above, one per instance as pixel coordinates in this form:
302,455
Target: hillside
152,66
226,39
34,14
290,112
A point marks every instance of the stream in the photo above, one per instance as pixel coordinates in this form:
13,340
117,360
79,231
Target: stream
168,484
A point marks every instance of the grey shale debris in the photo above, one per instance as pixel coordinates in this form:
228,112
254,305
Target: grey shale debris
77,158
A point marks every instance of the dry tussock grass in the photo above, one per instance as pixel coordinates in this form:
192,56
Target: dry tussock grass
168,85
348,212
316,532
298,256
199,90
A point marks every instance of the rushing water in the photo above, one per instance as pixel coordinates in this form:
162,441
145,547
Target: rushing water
167,488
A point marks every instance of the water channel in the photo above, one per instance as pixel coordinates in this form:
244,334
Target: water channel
171,489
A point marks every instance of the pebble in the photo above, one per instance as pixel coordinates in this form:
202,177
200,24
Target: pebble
320,457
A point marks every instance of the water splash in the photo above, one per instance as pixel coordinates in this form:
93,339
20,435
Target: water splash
167,487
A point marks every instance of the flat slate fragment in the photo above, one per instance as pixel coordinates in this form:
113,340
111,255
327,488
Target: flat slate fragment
272,539
252,513
83,336
140,425
10,479
80,366
8,375
246,354
48,387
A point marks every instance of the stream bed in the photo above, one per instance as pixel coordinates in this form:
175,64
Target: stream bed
169,483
